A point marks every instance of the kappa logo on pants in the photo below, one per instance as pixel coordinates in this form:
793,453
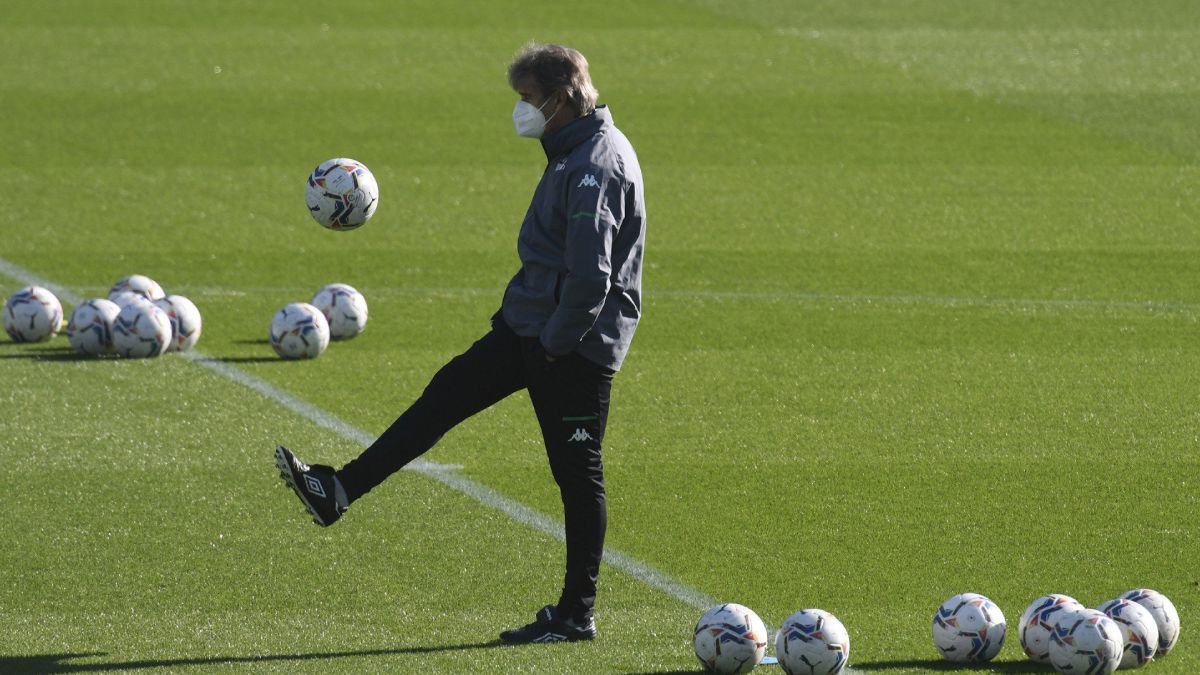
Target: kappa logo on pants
580,435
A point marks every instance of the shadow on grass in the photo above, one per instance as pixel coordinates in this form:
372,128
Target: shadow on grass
270,356
922,665
942,665
57,663
48,354
248,359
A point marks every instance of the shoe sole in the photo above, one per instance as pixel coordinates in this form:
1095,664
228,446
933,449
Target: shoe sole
284,464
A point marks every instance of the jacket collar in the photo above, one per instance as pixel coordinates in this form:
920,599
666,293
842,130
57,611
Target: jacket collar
577,131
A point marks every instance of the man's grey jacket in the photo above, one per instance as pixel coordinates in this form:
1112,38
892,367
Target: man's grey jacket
580,283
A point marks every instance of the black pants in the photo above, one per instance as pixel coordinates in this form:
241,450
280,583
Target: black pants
570,397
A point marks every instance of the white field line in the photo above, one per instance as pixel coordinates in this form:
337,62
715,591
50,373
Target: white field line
445,474
30,279
442,473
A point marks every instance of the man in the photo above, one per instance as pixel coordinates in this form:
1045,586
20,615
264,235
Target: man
563,329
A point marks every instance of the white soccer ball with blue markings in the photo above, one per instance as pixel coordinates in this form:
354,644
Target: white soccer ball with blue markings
812,642
186,323
1138,631
90,327
1038,621
341,194
1086,641
122,298
730,639
32,314
1165,616
139,284
141,331
344,308
299,331
968,628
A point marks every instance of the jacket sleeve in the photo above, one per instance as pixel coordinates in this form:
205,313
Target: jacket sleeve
595,209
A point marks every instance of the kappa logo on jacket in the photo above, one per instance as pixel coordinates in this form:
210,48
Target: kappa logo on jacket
589,181
561,165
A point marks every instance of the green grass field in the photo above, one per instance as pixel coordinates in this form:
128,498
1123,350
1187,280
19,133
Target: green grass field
922,317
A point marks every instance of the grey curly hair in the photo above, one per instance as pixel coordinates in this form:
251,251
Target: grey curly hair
556,68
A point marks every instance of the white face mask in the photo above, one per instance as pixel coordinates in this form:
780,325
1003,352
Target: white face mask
529,120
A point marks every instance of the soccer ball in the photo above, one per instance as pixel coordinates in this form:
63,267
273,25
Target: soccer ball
344,308
137,283
968,627
90,327
185,322
1085,641
341,194
32,314
730,639
141,330
299,331
1138,629
1165,616
812,642
122,298
1037,624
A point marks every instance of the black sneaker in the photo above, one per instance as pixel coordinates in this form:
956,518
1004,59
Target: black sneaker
316,486
549,627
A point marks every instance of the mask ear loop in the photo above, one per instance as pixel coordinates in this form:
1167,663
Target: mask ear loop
556,109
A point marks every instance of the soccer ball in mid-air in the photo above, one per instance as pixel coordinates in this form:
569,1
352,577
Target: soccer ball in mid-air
1037,624
341,194
141,330
812,642
185,321
968,627
299,331
1164,613
344,308
1138,630
139,284
32,314
1086,641
90,327
730,639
